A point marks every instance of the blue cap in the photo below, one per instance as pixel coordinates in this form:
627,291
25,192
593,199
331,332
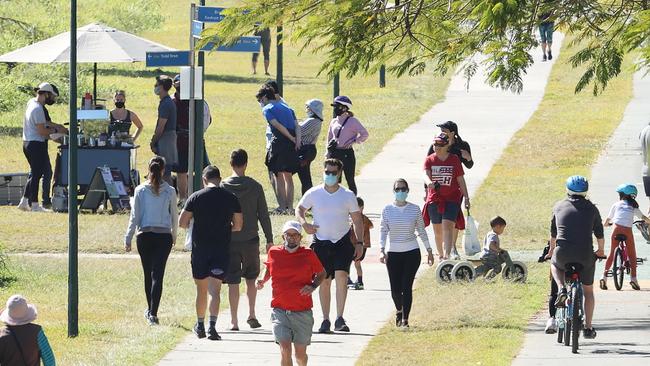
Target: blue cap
342,100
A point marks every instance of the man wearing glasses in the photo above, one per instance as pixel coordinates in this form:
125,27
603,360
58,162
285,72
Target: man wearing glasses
332,205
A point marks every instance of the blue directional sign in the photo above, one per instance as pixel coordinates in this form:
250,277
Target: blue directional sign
243,44
168,58
197,28
209,14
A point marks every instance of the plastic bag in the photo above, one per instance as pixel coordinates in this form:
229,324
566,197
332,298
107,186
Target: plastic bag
471,242
188,237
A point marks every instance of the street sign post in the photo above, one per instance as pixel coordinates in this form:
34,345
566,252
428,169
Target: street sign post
168,58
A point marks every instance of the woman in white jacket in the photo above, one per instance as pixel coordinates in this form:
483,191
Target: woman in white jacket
155,217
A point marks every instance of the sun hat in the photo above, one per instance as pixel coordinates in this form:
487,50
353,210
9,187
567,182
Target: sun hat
47,87
316,106
18,311
292,225
441,140
449,125
342,100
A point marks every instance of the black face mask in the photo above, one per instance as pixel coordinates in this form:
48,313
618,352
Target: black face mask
339,110
50,100
119,104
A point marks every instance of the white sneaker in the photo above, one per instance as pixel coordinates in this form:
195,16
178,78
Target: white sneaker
39,208
24,204
551,326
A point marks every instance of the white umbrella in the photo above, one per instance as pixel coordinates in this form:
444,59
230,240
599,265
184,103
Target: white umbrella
95,43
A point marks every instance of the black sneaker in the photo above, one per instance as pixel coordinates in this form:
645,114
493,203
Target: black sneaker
147,314
199,330
398,318
213,335
544,58
550,56
589,333
405,323
561,298
153,320
325,326
340,326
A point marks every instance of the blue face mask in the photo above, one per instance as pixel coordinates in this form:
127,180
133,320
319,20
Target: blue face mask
330,180
401,196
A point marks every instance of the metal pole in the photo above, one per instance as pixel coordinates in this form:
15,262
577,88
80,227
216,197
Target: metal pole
336,89
192,127
279,77
95,83
199,148
73,275
382,76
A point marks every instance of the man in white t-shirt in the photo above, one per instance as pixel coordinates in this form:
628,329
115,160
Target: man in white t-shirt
36,131
332,206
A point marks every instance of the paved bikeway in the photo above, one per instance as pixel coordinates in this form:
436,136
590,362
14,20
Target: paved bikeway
622,318
487,118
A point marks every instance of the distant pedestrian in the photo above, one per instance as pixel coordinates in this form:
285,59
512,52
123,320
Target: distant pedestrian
645,148
460,148
21,341
245,244
400,222
265,40
163,141
546,28
269,135
445,180
216,213
309,131
332,206
37,127
154,216
282,156
296,273
122,118
367,225
344,131
183,138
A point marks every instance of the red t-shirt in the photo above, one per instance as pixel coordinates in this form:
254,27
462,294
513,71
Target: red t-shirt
445,172
290,272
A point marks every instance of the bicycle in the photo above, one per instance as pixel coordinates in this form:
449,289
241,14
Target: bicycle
621,264
570,317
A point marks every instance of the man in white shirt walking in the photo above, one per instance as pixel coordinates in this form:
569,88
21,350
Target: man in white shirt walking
332,205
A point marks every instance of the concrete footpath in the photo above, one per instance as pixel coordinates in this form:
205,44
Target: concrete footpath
487,119
622,318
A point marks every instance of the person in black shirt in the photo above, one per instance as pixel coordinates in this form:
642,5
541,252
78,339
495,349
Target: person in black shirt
460,148
216,213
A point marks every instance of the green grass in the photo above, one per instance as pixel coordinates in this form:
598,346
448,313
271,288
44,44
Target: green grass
112,330
484,323
230,90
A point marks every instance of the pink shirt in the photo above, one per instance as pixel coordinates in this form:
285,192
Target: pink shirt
353,131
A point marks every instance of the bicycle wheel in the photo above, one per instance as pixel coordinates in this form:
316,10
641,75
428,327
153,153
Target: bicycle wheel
576,320
618,272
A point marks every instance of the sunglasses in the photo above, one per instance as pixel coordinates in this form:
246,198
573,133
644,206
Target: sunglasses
330,172
401,189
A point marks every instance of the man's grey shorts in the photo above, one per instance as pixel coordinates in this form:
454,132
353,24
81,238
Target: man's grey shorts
292,326
572,254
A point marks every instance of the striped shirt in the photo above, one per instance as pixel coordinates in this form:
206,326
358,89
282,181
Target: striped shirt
399,225
309,130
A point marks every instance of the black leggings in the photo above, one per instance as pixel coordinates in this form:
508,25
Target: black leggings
39,164
349,165
154,250
402,267
305,156
551,299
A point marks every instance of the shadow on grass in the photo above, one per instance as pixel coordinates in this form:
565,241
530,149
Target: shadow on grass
11,131
6,280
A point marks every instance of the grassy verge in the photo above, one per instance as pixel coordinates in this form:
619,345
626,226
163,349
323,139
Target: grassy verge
483,323
230,90
112,330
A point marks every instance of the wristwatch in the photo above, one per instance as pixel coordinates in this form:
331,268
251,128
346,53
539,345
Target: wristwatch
359,243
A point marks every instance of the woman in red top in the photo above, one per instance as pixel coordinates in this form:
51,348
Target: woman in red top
443,174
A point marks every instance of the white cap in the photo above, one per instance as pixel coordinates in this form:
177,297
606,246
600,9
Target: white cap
46,87
292,225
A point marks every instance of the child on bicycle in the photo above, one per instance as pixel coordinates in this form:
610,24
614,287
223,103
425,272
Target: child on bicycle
367,225
621,215
493,256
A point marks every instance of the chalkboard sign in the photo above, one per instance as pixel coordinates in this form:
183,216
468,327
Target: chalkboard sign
106,184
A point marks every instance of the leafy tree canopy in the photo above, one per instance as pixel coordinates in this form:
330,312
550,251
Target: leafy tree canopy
409,36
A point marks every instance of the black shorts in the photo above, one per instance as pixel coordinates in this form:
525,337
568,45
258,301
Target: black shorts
209,263
334,256
563,255
244,261
282,157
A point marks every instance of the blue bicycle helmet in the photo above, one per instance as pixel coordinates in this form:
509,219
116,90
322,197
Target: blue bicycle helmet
577,184
627,189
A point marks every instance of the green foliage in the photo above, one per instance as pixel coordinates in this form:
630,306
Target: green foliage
408,36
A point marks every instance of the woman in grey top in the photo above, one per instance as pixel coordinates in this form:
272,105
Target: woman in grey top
155,216
309,131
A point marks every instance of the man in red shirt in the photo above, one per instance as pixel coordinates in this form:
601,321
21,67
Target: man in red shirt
296,273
